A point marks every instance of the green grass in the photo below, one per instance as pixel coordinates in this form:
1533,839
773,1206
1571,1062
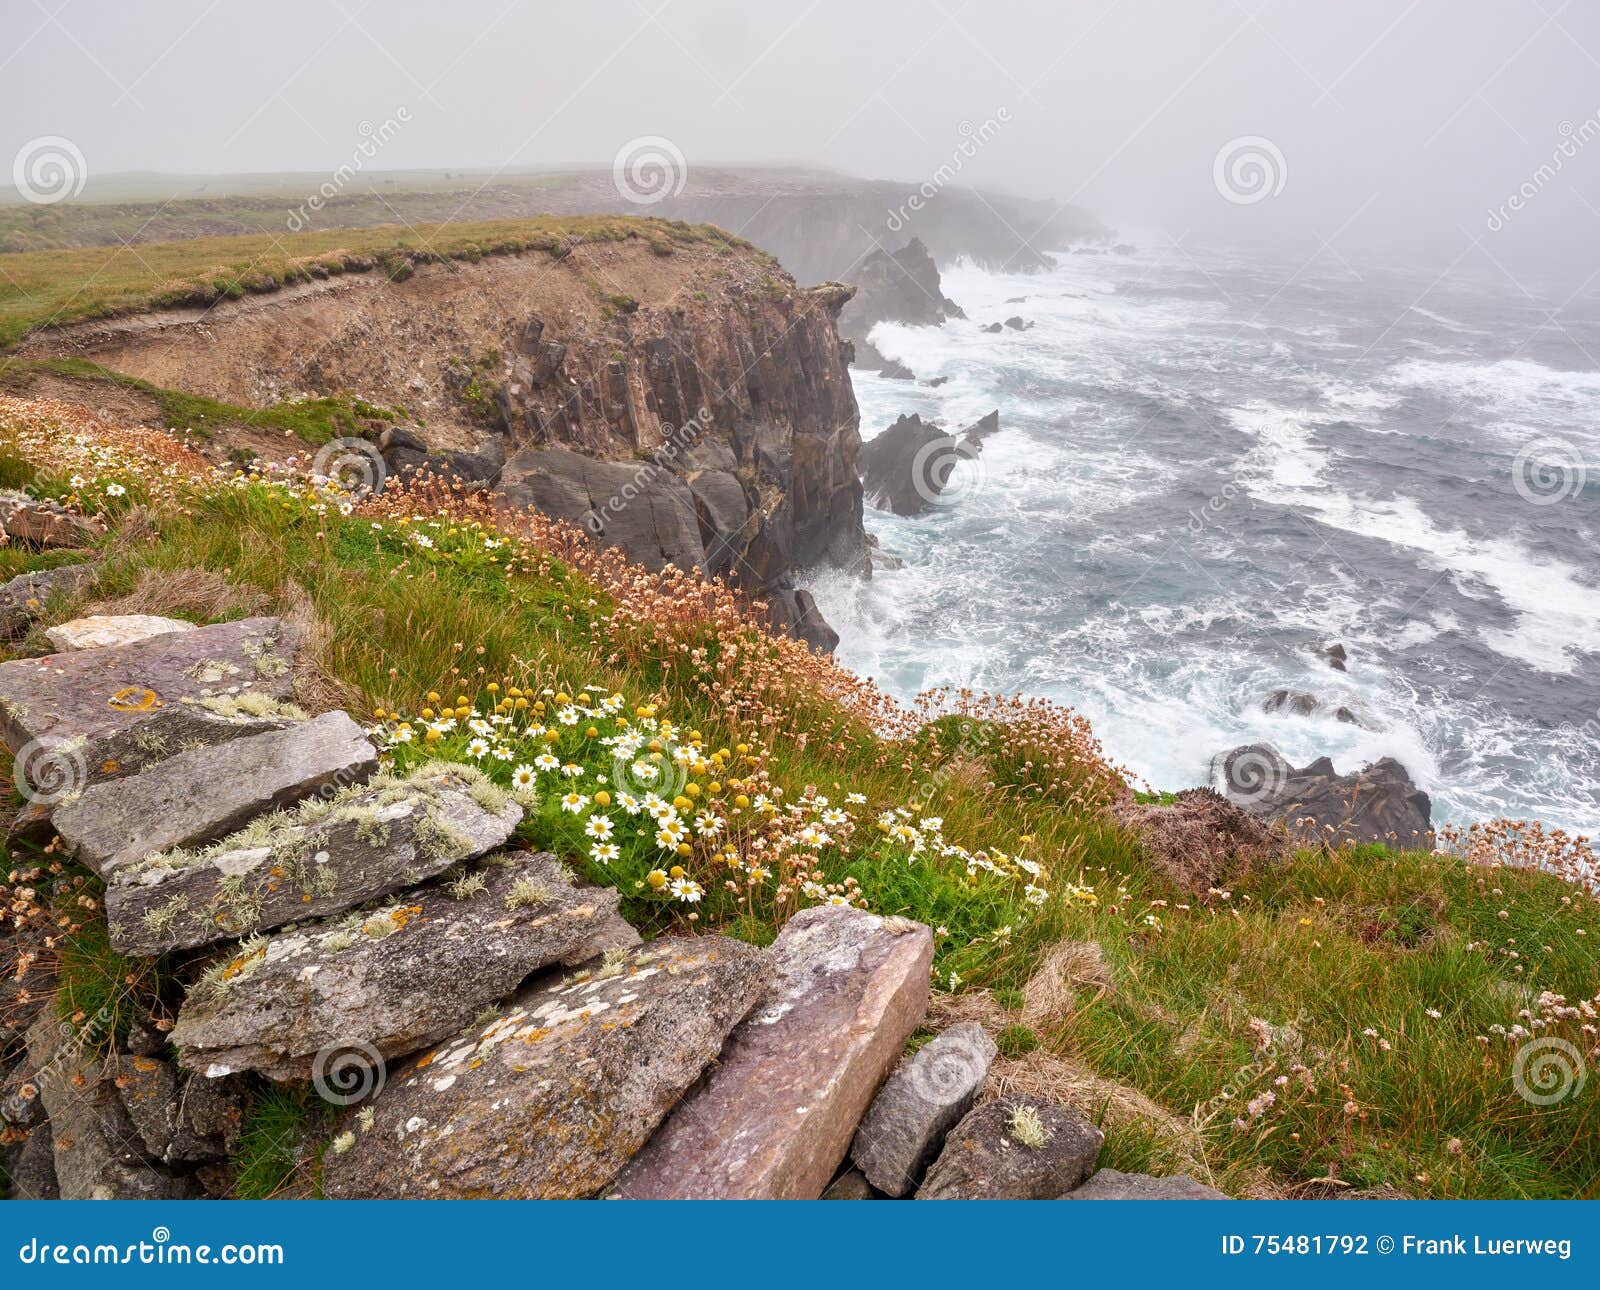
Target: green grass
54,288
1213,998
277,1142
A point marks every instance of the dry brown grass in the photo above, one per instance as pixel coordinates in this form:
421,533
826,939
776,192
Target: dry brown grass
201,594
1051,995
316,686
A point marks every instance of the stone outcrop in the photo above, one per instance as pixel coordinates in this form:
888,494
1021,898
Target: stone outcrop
1112,1184
99,1154
95,715
1378,803
907,467
180,1121
1299,703
553,1097
1014,1148
198,796
390,979
38,523
329,854
776,1115
23,599
922,1100
106,631
900,287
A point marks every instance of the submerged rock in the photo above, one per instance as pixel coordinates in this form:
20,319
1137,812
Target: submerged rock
107,631
927,1093
197,796
1014,1148
1378,803
328,854
387,980
775,1116
906,468
552,1098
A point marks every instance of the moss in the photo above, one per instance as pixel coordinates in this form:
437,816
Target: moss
525,892
467,886
160,920
1026,1128
252,703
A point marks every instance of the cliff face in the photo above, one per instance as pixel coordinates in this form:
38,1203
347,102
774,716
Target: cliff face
687,402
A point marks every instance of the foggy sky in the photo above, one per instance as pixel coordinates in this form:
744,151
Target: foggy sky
1401,125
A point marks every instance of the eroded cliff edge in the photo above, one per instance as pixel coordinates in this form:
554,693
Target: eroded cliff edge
680,397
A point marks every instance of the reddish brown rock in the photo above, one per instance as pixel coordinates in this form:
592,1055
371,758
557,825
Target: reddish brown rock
44,524
776,1115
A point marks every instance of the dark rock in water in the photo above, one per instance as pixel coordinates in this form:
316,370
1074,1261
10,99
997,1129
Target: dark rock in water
1378,803
924,1096
552,1098
900,287
936,381
994,327
1345,715
198,796
792,610
1298,702
22,600
906,468
1202,840
1124,248
1014,1148
893,370
1017,300
1017,323
1336,656
982,428
1112,1184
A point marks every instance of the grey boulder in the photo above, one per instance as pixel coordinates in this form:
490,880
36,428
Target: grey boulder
551,1099
1112,1184
327,854
391,979
924,1097
1014,1148
206,793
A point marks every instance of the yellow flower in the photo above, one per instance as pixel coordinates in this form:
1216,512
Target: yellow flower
676,871
741,801
656,879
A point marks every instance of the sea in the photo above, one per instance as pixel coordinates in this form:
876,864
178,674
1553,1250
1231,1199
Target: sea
1210,467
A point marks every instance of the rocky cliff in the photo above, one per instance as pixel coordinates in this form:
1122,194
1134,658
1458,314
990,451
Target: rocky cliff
675,393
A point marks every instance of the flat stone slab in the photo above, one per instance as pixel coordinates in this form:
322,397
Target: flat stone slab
106,631
391,979
109,712
1112,1184
329,853
198,796
922,1100
775,1117
24,598
992,1155
551,1099
44,524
